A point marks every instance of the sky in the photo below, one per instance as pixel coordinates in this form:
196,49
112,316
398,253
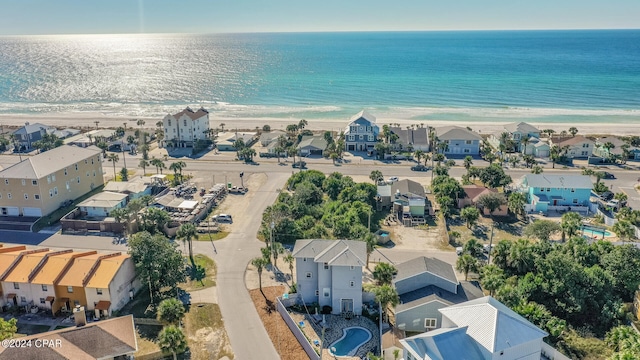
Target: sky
32,17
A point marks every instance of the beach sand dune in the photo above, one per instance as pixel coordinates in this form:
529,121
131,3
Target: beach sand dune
87,120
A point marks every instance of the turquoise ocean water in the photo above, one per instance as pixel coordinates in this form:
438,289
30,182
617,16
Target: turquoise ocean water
542,76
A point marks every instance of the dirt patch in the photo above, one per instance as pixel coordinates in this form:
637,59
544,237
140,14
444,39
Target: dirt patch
422,237
206,334
282,338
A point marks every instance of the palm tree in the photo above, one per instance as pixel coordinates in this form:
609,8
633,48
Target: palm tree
143,164
466,264
172,340
570,224
523,144
276,249
468,161
418,154
470,215
520,256
376,176
371,243
289,259
187,233
259,263
159,164
492,278
170,311
122,146
621,196
386,295
516,203
573,131
222,125
302,123
623,229
473,248
554,154
114,158
501,254
384,272
537,169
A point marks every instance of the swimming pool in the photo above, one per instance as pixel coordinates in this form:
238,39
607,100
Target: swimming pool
352,338
594,232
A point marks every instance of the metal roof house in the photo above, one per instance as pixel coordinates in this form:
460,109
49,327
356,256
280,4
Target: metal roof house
556,192
482,328
460,141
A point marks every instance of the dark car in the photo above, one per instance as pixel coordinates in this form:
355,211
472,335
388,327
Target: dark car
606,196
608,175
299,164
420,168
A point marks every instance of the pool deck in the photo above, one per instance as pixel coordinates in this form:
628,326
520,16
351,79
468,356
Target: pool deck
333,332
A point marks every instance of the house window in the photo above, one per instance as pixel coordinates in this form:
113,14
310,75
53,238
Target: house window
36,196
573,190
370,137
26,196
65,171
351,267
53,177
87,174
92,161
44,288
6,181
78,179
168,122
8,195
48,179
326,266
16,286
304,259
85,161
467,151
430,323
352,138
468,142
352,283
317,292
23,299
585,153
41,300
326,292
76,302
361,137
309,275
99,291
541,189
184,122
70,289
50,193
55,190
548,189
585,145
34,182
24,182
94,173
67,185
575,201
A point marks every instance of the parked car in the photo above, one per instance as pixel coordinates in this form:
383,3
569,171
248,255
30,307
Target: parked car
459,250
223,218
300,165
393,179
487,249
420,168
608,175
616,204
606,196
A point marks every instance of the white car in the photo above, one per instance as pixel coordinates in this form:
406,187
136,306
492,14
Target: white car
222,218
393,179
459,250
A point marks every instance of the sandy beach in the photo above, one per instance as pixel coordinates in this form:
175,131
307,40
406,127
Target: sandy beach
87,120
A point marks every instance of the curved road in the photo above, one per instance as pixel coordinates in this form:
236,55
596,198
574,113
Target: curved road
249,339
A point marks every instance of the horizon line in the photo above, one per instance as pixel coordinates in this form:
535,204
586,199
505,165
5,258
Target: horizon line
329,31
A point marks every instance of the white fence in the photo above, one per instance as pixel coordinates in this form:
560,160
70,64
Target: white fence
297,332
552,354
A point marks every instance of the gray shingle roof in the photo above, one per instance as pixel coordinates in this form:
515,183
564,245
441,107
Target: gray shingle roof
271,135
558,181
417,136
466,291
424,264
32,128
333,252
364,115
522,127
317,142
104,199
406,186
43,164
456,133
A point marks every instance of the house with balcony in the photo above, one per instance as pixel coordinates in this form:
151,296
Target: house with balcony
617,149
460,141
479,329
573,147
329,272
516,133
362,132
29,134
410,139
40,184
546,192
426,285
183,129
407,200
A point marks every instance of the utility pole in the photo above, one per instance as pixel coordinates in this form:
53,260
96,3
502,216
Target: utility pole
490,242
273,225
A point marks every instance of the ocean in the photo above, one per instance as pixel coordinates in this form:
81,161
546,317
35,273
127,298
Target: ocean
585,76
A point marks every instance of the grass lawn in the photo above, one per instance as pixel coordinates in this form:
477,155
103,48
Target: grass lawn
508,228
219,235
30,329
55,216
130,174
203,276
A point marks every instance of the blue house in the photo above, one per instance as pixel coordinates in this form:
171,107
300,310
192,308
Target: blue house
557,192
362,132
460,141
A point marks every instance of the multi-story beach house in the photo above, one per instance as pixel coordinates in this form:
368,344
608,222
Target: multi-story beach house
40,184
186,127
329,272
29,134
609,147
517,132
410,139
362,132
459,141
480,329
574,147
556,192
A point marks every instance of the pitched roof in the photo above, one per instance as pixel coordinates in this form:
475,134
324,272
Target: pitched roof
20,272
317,142
116,337
55,264
43,164
522,127
571,140
558,181
333,252
466,291
104,199
79,269
443,344
417,136
271,135
456,133
135,185
193,115
32,128
363,115
424,264
106,271
474,192
406,186
491,324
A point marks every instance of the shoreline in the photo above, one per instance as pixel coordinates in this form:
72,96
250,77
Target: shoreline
86,120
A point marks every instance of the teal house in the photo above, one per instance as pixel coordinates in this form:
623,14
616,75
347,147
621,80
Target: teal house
557,192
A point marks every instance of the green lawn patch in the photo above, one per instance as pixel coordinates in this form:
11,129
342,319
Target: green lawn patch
202,276
31,329
508,230
55,216
218,235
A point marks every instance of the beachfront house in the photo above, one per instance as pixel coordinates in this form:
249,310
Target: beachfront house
311,145
472,195
536,147
183,129
460,141
425,285
609,147
573,147
268,137
362,132
479,329
410,139
329,272
102,204
29,134
517,132
108,339
40,184
556,192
